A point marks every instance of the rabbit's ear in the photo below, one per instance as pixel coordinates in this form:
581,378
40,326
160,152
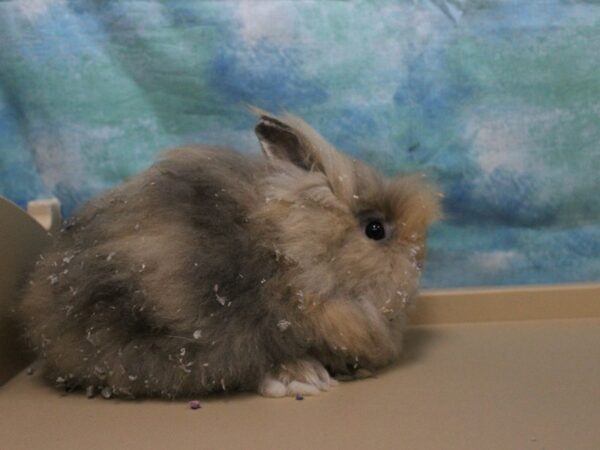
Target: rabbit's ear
289,138
280,141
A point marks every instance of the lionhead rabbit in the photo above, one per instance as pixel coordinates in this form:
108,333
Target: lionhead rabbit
213,271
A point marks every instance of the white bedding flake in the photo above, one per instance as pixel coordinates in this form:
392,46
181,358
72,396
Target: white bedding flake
222,300
300,295
90,391
283,324
106,392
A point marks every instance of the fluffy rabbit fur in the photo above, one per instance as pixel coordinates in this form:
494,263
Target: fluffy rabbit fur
216,271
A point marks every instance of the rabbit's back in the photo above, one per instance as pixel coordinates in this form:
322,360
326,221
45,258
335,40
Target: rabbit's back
156,260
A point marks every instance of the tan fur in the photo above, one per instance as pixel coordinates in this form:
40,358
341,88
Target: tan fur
355,330
355,287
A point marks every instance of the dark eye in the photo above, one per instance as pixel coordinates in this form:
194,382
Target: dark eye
375,230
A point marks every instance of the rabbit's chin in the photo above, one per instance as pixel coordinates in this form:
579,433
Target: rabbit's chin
354,333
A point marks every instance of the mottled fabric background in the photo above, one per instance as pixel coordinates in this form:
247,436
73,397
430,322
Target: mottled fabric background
499,100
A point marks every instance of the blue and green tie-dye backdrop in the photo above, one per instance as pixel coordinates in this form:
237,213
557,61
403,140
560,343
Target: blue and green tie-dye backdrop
498,99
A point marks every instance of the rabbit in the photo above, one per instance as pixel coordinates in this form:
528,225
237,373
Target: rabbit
218,271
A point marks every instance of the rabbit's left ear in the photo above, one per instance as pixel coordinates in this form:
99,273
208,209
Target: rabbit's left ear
289,138
280,141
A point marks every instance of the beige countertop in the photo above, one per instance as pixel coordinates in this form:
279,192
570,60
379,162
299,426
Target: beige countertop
498,385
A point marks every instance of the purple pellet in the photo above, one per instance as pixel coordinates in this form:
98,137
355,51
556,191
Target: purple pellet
195,404
299,397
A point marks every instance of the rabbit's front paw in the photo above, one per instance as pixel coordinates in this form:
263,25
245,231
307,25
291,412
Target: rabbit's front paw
304,376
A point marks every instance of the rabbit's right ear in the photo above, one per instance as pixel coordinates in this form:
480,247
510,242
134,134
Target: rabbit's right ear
280,141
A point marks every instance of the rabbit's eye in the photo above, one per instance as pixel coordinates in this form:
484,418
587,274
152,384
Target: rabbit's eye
375,230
